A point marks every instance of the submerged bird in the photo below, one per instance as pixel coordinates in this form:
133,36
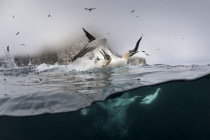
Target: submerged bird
150,98
101,43
17,33
90,9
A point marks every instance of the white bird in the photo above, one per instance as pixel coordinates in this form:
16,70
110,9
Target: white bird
150,98
101,43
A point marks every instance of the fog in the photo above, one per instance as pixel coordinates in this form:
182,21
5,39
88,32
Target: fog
174,32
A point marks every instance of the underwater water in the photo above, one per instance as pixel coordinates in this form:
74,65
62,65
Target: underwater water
82,101
175,110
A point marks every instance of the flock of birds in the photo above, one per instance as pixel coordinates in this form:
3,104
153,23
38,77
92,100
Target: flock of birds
100,45
100,42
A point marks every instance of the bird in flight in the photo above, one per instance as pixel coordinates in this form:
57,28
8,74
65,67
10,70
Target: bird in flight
17,33
146,53
22,44
90,9
49,15
132,11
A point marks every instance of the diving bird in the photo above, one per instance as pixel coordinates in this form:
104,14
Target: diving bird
150,98
90,9
101,43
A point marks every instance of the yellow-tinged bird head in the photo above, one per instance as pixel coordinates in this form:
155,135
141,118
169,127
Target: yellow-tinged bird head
107,58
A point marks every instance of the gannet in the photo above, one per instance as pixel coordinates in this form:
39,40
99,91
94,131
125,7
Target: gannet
107,58
99,47
150,98
101,43
90,9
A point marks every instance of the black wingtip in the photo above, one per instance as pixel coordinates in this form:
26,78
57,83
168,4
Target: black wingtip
88,35
137,44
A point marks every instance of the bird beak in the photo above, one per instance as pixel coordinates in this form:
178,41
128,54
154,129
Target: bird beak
105,55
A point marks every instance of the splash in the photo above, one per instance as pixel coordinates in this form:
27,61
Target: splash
9,60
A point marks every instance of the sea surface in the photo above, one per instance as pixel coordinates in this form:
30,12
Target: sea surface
60,102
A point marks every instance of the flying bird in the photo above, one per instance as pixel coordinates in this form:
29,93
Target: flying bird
146,53
101,43
17,33
132,11
22,44
90,9
49,15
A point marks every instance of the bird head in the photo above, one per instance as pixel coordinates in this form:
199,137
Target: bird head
107,57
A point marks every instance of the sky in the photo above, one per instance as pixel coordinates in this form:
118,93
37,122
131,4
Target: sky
174,32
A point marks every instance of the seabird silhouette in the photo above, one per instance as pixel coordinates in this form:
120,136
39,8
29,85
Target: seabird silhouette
90,9
8,48
49,15
17,33
22,44
132,11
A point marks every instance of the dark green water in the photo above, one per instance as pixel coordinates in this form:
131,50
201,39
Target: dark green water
181,111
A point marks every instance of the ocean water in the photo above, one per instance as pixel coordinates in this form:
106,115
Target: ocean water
80,101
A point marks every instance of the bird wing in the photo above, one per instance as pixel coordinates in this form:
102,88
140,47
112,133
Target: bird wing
137,45
97,43
89,36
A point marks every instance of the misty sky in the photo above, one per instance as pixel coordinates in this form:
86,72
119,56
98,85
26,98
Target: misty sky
174,31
